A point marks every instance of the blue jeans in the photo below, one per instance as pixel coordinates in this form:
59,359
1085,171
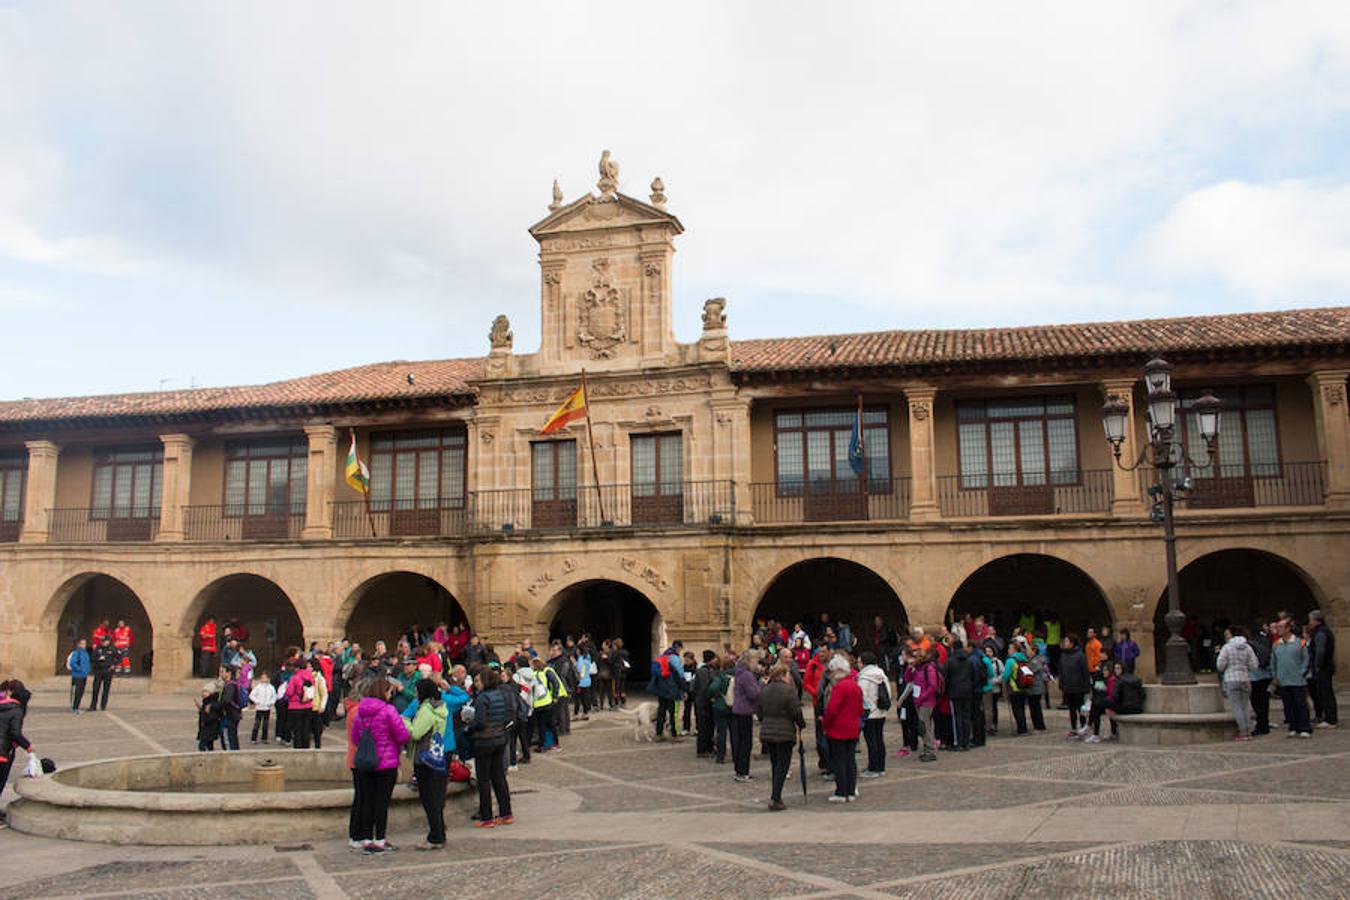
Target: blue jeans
229,734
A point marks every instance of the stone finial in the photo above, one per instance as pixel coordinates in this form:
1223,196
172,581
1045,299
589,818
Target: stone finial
658,192
500,335
557,197
609,175
714,315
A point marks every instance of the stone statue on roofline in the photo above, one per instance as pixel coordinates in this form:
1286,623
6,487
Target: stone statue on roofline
609,175
557,197
500,335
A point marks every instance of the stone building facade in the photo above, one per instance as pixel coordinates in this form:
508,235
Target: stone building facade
713,488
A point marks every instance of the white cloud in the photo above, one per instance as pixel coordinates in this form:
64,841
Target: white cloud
1287,242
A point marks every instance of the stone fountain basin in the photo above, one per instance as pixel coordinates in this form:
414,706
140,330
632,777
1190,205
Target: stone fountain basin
168,800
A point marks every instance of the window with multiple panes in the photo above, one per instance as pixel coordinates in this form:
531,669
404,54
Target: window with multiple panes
418,469
1017,441
12,467
812,446
266,477
1248,443
128,483
658,464
554,470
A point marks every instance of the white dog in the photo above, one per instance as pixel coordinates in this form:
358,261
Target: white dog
644,721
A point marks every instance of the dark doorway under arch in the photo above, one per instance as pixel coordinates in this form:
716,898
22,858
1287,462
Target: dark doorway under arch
606,610
94,599
388,606
1232,587
1012,590
849,592
253,608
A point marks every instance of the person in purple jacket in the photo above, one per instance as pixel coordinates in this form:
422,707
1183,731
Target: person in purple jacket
745,700
374,789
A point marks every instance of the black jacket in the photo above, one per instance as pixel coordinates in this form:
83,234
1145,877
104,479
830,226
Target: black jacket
1129,694
780,713
102,660
961,683
703,677
11,729
1322,652
1074,677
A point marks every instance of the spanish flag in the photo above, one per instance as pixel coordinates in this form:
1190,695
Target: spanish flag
358,476
573,408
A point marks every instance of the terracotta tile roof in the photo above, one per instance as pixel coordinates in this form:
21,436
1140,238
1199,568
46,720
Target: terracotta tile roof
1300,327
380,381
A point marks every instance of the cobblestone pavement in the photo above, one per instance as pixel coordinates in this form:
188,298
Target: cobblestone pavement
608,817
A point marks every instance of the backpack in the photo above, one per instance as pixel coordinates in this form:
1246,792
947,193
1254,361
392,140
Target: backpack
1262,650
1025,675
883,696
366,758
730,695
433,757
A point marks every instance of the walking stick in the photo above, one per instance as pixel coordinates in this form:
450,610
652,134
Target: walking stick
801,764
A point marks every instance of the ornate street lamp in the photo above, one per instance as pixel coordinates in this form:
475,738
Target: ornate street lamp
1164,451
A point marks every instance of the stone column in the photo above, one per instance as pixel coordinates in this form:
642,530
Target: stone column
731,452
173,659
322,469
1125,499
39,491
1333,432
923,505
177,486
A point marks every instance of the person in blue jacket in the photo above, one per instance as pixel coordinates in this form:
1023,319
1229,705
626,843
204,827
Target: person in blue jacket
79,665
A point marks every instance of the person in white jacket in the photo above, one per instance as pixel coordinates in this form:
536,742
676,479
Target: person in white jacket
262,698
1236,661
876,693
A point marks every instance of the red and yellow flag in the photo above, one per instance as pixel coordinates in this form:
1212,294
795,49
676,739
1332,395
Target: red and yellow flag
573,408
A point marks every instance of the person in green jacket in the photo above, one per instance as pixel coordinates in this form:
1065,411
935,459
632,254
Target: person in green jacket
717,689
429,722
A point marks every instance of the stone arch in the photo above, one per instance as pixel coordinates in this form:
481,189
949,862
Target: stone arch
877,563
845,590
383,606
249,604
1234,586
1013,588
608,608
82,601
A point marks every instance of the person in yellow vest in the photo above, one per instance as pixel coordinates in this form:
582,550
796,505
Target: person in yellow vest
547,688
319,704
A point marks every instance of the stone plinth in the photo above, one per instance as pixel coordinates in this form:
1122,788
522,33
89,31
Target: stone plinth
1178,714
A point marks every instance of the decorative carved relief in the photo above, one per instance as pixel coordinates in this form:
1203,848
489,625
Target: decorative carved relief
601,322
651,270
544,579
486,437
650,388
645,572
723,418
1334,394
552,277
920,409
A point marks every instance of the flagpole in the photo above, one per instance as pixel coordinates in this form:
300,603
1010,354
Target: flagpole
590,437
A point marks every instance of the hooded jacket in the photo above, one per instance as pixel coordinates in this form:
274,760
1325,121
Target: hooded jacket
295,690
961,677
1237,660
870,679
78,663
780,713
11,729
747,691
386,729
430,719
1074,677
843,712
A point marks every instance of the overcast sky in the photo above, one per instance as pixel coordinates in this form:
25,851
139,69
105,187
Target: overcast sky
239,192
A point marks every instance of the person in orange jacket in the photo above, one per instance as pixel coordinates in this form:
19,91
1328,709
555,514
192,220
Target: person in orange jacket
122,640
101,631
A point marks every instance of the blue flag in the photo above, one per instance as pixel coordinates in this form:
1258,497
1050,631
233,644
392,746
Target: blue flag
855,445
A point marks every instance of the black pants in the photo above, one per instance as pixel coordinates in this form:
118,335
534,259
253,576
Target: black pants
1034,702
822,746
909,727
229,733
942,728
581,701
77,691
298,721
98,695
262,718
1324,698
721,725
542,723
374,790
431,791
845,766
210,664
4,773
283,722
1018,702
703,725
961,724
519,735
316,729
742,737
602,689
1075,702
354,820
874,731
665,706
977,724
780,760
1261,705
686,712
490,770
1296,708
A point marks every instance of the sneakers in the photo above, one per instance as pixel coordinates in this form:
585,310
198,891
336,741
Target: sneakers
485,823
1092,739
356,845
1326,724
506,820
742,779
837,798
928,757
827,776
379,847
1305,734
1243,737
900,754
1292,734
427,845
511,768
1073,736
870,774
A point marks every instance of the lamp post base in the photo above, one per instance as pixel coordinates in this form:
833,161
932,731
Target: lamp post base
1176,655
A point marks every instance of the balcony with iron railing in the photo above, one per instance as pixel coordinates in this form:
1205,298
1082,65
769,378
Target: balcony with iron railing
1246,486
11,526
240,523
1033,494
357,519
102,525
830,500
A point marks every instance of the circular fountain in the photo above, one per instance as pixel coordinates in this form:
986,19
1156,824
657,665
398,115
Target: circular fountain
239,797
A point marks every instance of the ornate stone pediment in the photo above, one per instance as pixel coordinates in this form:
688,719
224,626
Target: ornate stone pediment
592,212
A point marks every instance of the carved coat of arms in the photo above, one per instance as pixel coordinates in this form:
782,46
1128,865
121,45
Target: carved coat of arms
600,314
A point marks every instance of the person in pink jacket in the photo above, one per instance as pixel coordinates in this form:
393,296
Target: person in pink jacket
300,704
843,722
374,788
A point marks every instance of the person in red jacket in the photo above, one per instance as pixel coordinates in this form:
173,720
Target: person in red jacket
101,631
210,662
843,722
122,639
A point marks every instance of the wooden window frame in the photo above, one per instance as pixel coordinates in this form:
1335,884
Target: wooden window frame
1184,412
13,462
576,474
446,439
1044,419
657,438
157,461
299,449
805,429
